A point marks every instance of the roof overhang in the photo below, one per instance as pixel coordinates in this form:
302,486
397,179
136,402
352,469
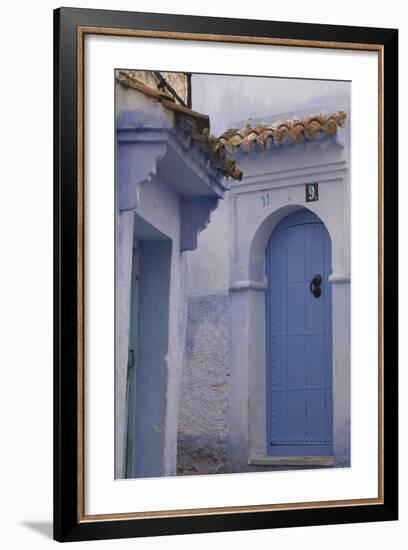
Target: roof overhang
151,142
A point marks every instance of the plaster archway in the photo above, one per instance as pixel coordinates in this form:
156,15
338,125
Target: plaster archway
248,346
256,263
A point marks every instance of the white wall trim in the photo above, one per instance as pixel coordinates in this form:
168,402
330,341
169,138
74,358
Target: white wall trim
339,278
248,285
289,181
312,169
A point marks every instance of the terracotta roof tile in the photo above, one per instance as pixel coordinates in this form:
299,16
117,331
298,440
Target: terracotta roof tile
294,130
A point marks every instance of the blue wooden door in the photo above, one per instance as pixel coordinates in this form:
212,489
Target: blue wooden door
299,337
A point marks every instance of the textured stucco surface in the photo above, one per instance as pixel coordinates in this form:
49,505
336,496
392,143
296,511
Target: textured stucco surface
208,266
203,413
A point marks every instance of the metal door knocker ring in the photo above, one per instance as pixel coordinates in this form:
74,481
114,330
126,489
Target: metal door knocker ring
315,286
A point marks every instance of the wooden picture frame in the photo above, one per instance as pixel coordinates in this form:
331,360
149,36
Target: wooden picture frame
71,26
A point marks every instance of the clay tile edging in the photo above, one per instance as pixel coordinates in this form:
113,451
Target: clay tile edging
294,130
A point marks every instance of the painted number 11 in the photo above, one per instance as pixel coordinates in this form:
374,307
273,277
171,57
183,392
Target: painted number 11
265,199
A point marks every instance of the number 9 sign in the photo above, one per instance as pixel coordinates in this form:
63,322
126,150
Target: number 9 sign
312,192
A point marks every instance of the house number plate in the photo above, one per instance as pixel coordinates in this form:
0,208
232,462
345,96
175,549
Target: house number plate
312,192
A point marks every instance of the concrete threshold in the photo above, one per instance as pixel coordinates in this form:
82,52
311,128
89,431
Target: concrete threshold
291,460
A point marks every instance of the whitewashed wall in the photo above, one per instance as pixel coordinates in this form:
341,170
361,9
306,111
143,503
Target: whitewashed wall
213,415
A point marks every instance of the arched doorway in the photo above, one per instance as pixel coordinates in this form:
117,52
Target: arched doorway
299,338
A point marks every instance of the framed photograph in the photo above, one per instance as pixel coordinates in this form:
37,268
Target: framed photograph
225,274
